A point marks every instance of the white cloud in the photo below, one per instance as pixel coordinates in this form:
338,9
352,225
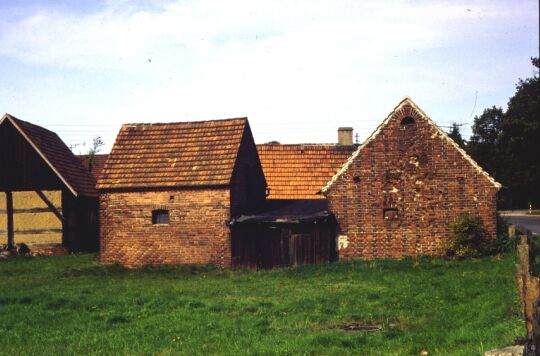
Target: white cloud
299,69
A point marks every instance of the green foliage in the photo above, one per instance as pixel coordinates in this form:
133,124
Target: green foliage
73,305
455,134
506,144
503,243
97,143
468,237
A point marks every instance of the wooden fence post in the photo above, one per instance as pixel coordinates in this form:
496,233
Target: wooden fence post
9,211
528,285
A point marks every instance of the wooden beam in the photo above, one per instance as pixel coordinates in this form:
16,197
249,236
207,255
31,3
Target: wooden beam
50,205
10,230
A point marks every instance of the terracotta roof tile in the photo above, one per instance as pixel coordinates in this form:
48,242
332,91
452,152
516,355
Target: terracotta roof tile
97,165
300,171
59,156
173,155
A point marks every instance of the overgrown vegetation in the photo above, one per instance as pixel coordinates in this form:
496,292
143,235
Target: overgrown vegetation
503,243
73,305
470,238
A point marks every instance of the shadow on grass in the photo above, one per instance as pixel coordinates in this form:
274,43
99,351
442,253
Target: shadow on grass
175,271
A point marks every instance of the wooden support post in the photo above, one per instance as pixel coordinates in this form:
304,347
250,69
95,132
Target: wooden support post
50,205
512,231
10,230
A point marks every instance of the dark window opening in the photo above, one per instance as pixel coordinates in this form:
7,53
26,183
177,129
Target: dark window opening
408,121
356,179
160,217
390,214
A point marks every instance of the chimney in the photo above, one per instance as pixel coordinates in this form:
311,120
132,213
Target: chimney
345,136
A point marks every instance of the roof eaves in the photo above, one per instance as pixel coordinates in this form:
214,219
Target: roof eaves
21,131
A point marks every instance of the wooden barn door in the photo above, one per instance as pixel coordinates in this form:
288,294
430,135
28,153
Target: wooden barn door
315,246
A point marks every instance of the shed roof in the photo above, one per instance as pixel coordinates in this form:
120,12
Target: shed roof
182,154
289,212
300,171
56,155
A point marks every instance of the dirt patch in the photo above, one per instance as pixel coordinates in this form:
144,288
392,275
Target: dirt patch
357,327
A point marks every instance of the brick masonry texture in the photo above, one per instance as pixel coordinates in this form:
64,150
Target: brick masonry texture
415,172
197,232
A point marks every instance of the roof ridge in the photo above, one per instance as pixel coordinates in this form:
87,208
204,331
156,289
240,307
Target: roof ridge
403,102
7,115
182,122
190,148
304,144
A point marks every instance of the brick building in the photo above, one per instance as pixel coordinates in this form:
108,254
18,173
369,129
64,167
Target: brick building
401,189
168,191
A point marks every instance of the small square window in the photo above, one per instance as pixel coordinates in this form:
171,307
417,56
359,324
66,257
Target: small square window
390,214
160,217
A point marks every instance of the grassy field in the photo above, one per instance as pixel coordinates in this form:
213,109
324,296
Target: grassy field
534,212
73,305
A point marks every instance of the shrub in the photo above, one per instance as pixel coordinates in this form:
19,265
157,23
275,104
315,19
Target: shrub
468,237
503,243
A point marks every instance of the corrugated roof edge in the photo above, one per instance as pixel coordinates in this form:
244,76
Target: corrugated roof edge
409,101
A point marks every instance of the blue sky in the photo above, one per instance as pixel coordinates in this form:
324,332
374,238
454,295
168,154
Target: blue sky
297,69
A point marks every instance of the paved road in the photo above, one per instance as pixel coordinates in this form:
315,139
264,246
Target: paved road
529,222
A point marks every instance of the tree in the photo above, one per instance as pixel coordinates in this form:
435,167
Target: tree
521,139
97,142
455,134
507,144
484,143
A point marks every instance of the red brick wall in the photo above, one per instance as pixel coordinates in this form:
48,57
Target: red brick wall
248,185
413,169
198,230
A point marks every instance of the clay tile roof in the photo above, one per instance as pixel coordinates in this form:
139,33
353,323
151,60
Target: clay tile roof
98,163
58,156
300,171
183,154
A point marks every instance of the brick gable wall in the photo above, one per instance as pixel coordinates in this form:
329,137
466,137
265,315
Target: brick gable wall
419,173
198,230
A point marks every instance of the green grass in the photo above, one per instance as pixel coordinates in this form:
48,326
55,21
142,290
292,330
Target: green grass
534,212
73,305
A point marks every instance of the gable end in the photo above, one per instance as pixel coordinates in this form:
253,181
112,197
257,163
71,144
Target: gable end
408,109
